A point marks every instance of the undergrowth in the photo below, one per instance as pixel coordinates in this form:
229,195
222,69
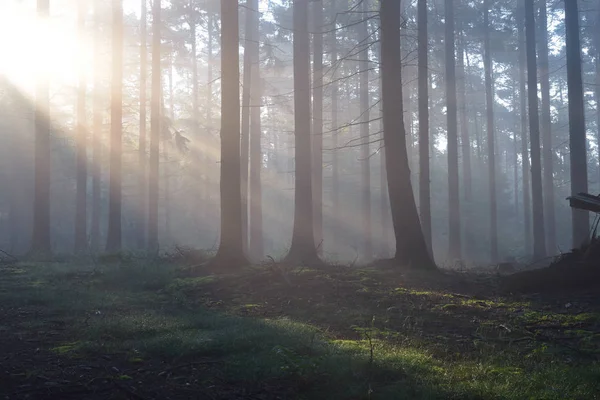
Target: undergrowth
332,334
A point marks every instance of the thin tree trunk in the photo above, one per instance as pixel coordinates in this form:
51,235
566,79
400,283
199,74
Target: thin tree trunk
335,215
81,211
464,126
364,134
598,104
246,123
452,131
40,243
539,242
515,152
155,128
256,242
577,134
411,249
524,136
424,166
231,250
303,243
142,155
489,97
548,183
113,239
168,141
318,123
209,113
96,132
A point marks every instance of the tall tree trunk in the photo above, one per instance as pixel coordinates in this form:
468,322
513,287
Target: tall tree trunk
256,242
209,106
464,125
364,135
489,99
452,130
411,249
424,166
40,243
597,95
546,126
515,150
113,239
577,137
539,241
167,142
96,132
231,250
80,209
155,128
318,123
303,243
142,155
335,179
246,123
524,136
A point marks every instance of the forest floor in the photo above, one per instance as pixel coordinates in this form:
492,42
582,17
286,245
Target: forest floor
153,330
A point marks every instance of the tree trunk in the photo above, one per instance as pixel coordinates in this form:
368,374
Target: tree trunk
318,123
464,126
452,130
539,242
303,247
246,122
367,223
40,244
142,156
80,209
546,125
97,133
489,99
411,249
113,239
231,250
424,166
577,134
256,243
524,136
335,215
155,128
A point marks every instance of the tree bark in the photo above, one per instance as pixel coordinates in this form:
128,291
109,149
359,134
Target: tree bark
142,155
546,125
155,129
364,135
113,239
318,123
539,241
303,247
231,250
489,97
80,209
335,215
256,242
424,166
577,134
454,233
524,136
40,244
245,143
411,249
97,133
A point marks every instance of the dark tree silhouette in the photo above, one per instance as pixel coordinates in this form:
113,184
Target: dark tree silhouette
489,99
424,167
97,107
539,240
155,129
231,250
40,244
142,155
318,72
303,247
81,203
452,130
577,138
411,249
113,239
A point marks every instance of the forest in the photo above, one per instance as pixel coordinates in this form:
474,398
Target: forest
299,199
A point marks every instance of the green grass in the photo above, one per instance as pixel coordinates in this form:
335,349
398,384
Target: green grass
146,312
